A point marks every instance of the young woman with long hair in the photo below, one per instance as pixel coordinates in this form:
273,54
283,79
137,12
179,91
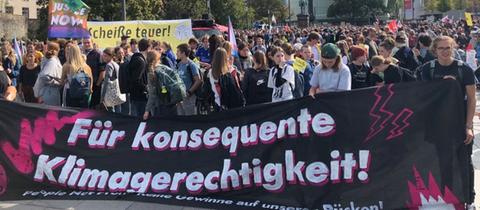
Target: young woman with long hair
28,76
221,85
281,77
9,61
75,64
254,84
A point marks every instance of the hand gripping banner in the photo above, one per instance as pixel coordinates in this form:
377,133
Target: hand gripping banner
391,147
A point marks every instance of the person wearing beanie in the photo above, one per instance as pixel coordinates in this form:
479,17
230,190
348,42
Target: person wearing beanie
359,68
331,75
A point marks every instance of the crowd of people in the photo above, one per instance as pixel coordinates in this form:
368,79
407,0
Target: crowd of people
147,78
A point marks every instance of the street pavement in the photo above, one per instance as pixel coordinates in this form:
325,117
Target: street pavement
129,205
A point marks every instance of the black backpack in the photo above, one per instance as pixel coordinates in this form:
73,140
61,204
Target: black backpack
123,78
299,84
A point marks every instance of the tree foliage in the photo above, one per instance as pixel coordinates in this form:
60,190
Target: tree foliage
265,9
444,5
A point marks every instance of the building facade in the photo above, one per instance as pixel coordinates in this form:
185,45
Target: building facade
27,8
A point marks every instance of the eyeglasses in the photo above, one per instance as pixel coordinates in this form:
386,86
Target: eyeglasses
444,48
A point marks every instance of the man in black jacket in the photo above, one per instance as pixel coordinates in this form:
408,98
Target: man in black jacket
404,55
137,71
94,61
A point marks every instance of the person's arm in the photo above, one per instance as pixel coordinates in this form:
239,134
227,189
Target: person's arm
345,82
152,96
136,71
313,91
100,79
197,82
471,104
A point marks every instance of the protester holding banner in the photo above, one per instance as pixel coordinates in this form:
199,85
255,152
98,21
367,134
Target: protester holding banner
27,78
446,67
137,74
77,79
47,86
332,75
254,84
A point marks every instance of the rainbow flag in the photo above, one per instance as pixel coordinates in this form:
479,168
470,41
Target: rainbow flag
231,37
18,52
68,19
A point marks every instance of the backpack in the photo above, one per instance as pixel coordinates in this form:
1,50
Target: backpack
406,75
170,87
199,92
123,78
80,85
299,84
459,69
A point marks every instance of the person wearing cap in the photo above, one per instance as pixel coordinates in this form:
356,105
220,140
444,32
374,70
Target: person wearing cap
331,75
359,68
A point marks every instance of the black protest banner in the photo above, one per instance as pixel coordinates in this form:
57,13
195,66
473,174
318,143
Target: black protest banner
391,147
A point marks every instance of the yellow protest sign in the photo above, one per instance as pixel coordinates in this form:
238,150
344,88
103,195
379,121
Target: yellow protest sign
468,19
299,65
108,34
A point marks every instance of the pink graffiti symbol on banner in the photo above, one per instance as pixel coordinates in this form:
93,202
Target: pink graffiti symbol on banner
32,140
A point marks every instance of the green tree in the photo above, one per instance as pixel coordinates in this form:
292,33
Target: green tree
176,9
430,5
238,11
459,4
42,17
265,8
444,5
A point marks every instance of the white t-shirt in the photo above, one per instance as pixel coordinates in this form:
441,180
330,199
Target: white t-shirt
328,80
284,92
214,89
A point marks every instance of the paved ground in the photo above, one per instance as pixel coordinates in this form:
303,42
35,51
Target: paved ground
128,205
